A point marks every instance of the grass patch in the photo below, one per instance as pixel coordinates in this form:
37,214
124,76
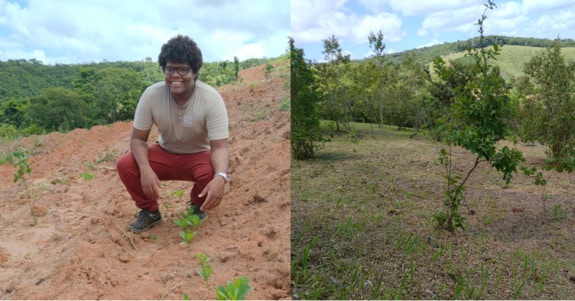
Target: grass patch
363,227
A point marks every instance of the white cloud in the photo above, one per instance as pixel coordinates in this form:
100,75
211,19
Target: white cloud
420,8
555,24
431,43
406,23
507,10
461,20
314,21
539,19
71,31
538,6
389,24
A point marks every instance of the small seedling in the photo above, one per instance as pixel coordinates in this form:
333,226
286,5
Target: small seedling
268,70
187,235
86,176
22,165
188,222
89,166
206,271
236,290
179,193
20,174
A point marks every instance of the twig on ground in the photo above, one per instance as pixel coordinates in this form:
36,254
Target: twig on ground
128,237
173,287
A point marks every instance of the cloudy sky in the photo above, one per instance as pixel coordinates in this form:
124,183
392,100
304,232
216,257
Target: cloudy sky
409,24
85,31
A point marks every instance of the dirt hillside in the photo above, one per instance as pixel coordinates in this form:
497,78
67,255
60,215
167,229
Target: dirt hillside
80,247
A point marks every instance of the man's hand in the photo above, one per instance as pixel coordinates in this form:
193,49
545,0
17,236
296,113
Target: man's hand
150,183
148,179
215,192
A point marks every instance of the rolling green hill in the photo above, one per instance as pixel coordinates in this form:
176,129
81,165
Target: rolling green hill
513,58
515,52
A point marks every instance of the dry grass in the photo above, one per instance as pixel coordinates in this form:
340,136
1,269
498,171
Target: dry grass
362,226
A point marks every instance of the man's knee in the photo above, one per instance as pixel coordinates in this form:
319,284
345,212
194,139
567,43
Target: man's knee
124,163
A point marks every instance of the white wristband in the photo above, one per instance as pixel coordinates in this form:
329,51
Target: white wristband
223,175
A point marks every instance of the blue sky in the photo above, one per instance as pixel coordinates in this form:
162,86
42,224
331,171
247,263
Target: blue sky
409,24
85,31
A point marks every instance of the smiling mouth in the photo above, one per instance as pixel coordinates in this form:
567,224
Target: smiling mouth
176,84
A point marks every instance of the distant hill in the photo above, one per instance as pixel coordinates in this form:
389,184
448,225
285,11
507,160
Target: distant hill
513,58
515,52
26,78
427,54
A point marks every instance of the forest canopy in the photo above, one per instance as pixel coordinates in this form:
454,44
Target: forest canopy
36,98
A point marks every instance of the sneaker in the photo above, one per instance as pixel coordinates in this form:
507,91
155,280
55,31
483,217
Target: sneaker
145,221
195,209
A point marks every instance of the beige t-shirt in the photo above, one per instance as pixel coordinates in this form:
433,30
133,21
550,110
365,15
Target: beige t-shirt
187,129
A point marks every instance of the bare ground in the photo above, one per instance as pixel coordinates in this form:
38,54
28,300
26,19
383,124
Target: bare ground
80,247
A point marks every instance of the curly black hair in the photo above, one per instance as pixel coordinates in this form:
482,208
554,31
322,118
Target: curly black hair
181,49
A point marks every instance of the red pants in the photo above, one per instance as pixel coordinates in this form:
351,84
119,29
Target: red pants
167,166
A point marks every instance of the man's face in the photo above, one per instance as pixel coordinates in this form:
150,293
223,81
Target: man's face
179,78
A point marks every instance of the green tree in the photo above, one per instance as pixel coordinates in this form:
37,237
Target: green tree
444,92
330,81
268,70
118,91
58,109
151,72
236,67
84,85
406,92
549,105
379,72
13,112
217,74
357,95
305,134
479,118
367,92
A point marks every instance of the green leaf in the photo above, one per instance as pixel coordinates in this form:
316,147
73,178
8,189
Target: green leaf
183,235
236,290
194,220
203,258
205,272
190,234
181,222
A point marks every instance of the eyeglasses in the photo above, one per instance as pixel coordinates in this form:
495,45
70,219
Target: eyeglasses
181,70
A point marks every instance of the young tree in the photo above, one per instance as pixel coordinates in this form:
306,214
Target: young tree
479,118
407,90
549,105
236,67
376,44
379,72
305,134
330,81
359,79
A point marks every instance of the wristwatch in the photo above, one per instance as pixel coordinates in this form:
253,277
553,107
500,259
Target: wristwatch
223,175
